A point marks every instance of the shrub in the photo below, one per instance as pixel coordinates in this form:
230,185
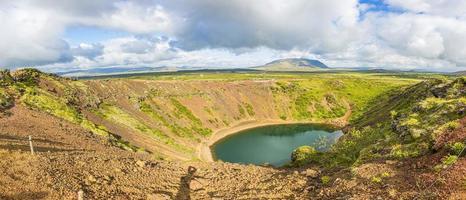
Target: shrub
376,179
28,76
283,117
5,78
303,155
449,160
393,114
385,175
446,162
411,122
6,100
249,109
241,110
409,150
457,148
325,180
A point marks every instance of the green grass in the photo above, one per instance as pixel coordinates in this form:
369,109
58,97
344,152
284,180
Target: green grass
196,124
403,124
6,100
39,99
117,115
249,109
376,100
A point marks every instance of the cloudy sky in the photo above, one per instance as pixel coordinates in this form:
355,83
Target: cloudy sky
61,35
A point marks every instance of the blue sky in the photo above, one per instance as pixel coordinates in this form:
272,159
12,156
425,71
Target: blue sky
78,34
390,34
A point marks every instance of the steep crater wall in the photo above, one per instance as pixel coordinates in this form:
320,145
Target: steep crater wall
174,119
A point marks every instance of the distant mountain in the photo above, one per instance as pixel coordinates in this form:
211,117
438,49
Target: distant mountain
123,70
293,64
460,73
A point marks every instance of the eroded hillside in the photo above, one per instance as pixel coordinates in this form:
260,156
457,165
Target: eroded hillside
410,144
405,138
172,118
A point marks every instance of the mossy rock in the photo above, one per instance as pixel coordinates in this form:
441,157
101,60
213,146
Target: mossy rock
303,155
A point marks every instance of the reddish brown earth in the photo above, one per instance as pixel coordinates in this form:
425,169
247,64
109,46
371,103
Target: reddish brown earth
69,158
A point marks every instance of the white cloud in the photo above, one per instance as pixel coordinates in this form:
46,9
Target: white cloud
448,8
138,18
30,36
89,51
309,24
421,36
428,34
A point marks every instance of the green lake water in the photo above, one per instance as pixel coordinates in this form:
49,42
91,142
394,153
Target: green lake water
273,144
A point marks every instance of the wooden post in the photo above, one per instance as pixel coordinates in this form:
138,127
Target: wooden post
80,195
30,145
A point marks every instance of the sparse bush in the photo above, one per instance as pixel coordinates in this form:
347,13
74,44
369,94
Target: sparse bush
446,162
28,76
241,110
283,117
325,180
5,78
6,100
411,122
449,160
409,150
393,114
458,148
249,109
303,155
376,179
385,175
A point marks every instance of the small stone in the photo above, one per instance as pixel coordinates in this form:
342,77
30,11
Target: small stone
91,179
141,163
311,173
108,178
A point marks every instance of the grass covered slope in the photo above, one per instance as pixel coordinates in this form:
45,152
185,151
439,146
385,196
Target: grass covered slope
171,115
419,120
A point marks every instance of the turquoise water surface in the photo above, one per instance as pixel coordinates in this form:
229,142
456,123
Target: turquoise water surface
273,144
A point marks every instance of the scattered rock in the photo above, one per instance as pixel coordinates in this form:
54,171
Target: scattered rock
91,179
141,163
311,173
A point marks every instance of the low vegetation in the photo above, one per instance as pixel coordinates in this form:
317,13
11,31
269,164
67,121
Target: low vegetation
182,114
406,124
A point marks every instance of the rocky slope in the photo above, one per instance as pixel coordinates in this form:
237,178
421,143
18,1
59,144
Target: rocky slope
68,158
172,118
412,140
112,138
